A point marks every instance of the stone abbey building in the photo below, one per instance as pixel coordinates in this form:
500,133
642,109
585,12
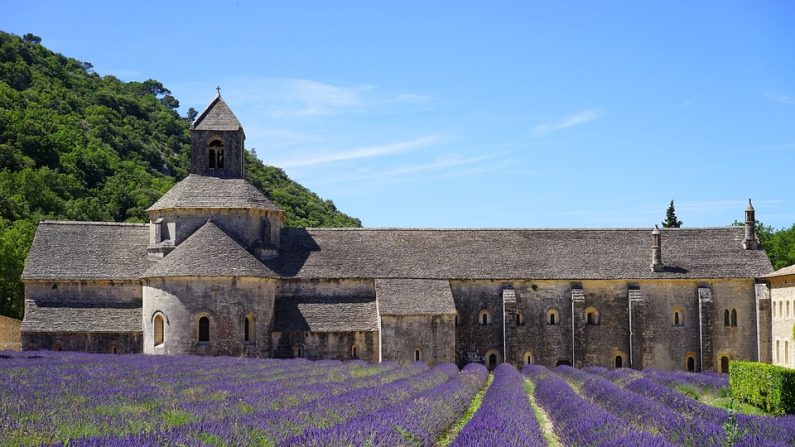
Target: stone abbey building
216,272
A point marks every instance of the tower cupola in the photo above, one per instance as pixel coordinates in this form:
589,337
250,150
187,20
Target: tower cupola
656,251
216,140
750,242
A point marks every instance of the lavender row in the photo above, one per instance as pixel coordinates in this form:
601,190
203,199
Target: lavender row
704,381
505,418
418,421
579,421
650,415
771,429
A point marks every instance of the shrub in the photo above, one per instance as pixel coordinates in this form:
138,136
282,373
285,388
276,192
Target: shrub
770,387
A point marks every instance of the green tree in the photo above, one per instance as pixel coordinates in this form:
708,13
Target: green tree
670,218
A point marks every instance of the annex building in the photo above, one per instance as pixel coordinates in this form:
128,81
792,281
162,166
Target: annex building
216,272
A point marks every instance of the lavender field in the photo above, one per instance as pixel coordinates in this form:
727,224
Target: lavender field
75,399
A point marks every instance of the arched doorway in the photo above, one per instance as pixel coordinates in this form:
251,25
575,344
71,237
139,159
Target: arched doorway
724,364
492,358
691,364
619,362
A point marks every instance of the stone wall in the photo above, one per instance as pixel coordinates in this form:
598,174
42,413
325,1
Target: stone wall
432,335
118,343
233,146
225,301
10,339
93,293
658,339
326,345
246,226
782,298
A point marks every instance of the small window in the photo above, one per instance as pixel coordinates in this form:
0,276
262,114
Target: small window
786,352
211,158
114,349
591,316
780,309
520,318
619,361
553,317
724,364
676,319
774,310
354,352
159,333
492,361
778,351
528,358
220,157
678,316
726,321
788,309
734,318
204,330
485,317
215,154
298,351
690,362
417,355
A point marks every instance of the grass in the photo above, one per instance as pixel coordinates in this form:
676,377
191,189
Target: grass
715,400
451,433
541,416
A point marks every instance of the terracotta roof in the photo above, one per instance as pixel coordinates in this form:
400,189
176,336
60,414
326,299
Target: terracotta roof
209,252
414,297
217,116
325,314
782,272
199,191
81,319
87,250
512,254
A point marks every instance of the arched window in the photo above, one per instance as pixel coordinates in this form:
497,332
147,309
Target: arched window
485,317
159,334
114,349
553,317
778,351
786,352
204,330
492,361
734,317
676,319
354,352
298,351
215,154
788,309
724,364
780,309
492,358
266,231
619,361
520,318
591,316
726,318
528,358
417,355
774,310
690,362
249,326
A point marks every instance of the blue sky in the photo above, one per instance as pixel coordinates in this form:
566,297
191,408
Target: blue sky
488,114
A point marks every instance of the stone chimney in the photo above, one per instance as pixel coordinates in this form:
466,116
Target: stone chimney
750,242
656,251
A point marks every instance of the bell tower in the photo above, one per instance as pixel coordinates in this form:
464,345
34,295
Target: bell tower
216,140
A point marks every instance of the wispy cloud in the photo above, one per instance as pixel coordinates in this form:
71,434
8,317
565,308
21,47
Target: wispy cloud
362,152
687,103
576,119
781,99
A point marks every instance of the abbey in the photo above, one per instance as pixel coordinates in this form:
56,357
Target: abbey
216,272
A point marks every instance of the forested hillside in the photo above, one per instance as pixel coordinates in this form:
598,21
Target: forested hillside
79,146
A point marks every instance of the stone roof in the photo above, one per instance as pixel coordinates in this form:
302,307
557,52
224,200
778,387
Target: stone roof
571,254
786,271
87,251
81,319
199,191
414,297
325,314
217,116
209,251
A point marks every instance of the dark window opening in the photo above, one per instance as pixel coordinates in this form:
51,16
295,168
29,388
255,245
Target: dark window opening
724,364
726,317
220,156
114,349
553,318
159,330
417,355
211,158
492,361
354,352
204,329
619,361
676,318
563,363
215,156
734,317
246,330
299,351
484,318
691,364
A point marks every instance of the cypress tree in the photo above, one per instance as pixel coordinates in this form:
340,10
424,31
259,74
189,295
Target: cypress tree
670,218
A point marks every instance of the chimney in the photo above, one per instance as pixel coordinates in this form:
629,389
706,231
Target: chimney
656,251
750,242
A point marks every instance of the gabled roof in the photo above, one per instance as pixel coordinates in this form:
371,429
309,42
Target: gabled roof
570,254
209,252
81,319
325,314
199,191
88,251
217,116
786,271
414,297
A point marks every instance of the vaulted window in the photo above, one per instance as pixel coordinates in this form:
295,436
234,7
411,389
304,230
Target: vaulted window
204,329
734,317
159,333
726,321
215,154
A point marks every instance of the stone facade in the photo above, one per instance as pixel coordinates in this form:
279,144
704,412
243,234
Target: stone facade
215,272
782,303
10,338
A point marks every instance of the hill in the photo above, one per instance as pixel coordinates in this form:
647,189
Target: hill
75,145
